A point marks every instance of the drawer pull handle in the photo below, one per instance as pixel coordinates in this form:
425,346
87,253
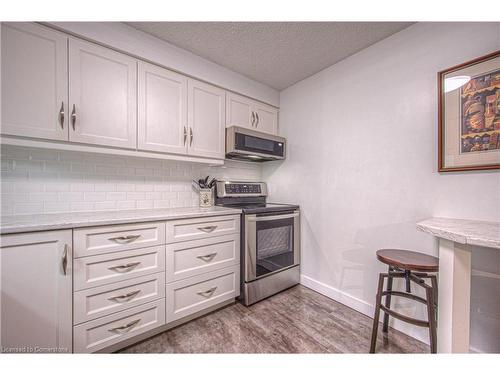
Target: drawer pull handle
208,229
125,239
208,257
125,328
125,297
208,293
124,267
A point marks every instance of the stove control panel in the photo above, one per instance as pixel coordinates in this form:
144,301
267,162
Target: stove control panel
241,189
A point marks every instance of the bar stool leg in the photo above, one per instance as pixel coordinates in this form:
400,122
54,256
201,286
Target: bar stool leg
378,302
432,318
434,284
385,327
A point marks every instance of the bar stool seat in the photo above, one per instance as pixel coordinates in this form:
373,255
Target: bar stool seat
413,267
408,260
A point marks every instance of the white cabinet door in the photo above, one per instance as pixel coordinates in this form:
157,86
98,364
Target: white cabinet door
251,114
239,111
102,96
34,81
162,98
206,120
266,118
36,304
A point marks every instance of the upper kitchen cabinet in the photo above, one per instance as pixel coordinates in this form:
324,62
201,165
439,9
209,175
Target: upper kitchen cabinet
251,114
162,110
239,111
266,118
206,120
34,81
102,96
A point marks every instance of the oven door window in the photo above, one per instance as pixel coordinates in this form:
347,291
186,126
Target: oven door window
275,248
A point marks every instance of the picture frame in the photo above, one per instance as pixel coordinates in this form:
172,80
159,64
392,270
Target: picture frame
469,115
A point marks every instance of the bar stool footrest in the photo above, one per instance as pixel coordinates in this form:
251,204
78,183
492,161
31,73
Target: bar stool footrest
404,318
405,295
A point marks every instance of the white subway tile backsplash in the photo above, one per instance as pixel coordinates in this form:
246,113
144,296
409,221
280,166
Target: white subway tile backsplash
28,208
44,197
136,196
42,181
145,204
28,165
105,206
71,196
125,205
51,207
116,196
94,196
81,206
57,186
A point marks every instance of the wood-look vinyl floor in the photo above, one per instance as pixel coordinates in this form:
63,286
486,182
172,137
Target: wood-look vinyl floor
297,320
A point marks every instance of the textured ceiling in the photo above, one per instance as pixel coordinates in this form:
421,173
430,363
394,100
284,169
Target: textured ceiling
277,54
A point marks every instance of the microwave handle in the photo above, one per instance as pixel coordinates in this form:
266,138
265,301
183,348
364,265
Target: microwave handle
273,217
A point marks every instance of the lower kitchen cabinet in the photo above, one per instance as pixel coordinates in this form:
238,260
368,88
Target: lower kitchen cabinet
117,289
112,329
97,302
186,259
36,300
189,296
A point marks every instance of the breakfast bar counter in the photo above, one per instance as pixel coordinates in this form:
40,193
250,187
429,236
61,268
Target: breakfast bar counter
457,239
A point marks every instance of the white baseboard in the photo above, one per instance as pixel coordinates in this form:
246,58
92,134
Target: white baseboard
337,295
353,302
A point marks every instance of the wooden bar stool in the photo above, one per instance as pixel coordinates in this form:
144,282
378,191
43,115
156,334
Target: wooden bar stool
411,266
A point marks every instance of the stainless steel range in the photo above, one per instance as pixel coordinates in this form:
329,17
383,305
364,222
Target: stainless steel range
270,239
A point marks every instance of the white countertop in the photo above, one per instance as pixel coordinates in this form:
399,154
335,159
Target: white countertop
471,232
41,222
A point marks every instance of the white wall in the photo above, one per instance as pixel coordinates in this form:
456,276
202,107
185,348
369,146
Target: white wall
363,157
35,181
127,39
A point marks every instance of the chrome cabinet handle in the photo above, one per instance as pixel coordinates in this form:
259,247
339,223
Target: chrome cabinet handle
64,260
207,258
125,328
124,267
253,117
61,115
208,293
125,297
208,229
190,136
125,239
185,135
73,117
257,116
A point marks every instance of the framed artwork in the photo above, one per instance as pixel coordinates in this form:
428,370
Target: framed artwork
469,115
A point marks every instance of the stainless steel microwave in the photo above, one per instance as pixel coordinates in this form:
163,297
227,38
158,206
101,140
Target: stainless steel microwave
251,145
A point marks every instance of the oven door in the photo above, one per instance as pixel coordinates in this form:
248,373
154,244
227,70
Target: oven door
272,243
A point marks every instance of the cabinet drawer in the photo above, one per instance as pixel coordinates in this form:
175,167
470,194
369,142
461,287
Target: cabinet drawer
109,268
191,258
108,239
193,229
100,333
189,296
104,300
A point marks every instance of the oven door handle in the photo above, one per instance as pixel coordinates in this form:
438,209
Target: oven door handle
273,217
